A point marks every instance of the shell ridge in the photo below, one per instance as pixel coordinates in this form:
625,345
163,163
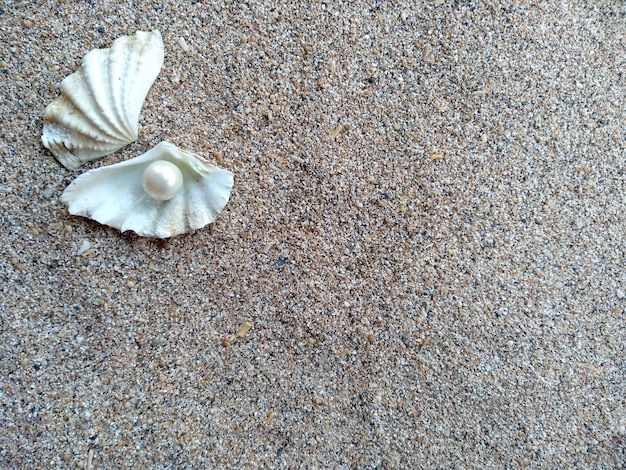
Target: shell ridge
127,114
66,152
145,59
100,87
76,92
55,115
140,77
132,112
121,58
70,146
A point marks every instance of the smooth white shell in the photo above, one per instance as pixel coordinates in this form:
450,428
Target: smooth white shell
114,195
98,110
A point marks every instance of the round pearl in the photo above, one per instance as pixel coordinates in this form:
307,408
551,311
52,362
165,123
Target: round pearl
161,180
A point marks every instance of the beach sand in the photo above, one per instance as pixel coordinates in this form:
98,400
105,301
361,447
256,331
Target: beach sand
426,235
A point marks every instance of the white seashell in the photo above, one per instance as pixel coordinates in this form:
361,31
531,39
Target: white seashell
98,110
162,193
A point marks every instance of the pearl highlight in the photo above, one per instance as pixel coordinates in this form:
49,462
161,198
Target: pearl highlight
162,180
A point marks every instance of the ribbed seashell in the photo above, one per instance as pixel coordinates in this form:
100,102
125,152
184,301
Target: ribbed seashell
164,192
98,110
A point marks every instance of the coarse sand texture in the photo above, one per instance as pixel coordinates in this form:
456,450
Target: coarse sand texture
421,264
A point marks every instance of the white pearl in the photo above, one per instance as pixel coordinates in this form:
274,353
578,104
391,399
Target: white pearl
161,180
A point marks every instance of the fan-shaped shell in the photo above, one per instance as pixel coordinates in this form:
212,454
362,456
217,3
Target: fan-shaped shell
98,110
114,195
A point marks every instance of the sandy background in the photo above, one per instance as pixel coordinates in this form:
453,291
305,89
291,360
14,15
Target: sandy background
440,283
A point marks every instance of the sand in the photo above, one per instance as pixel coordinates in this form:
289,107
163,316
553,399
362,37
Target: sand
426,238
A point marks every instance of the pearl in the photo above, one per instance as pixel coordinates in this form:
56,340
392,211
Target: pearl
161,180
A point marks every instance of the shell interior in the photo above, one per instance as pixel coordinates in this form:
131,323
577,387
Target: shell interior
113,195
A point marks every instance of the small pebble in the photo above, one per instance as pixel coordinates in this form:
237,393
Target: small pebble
48,192
28,24
183,44
244,329
336,131
84,246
